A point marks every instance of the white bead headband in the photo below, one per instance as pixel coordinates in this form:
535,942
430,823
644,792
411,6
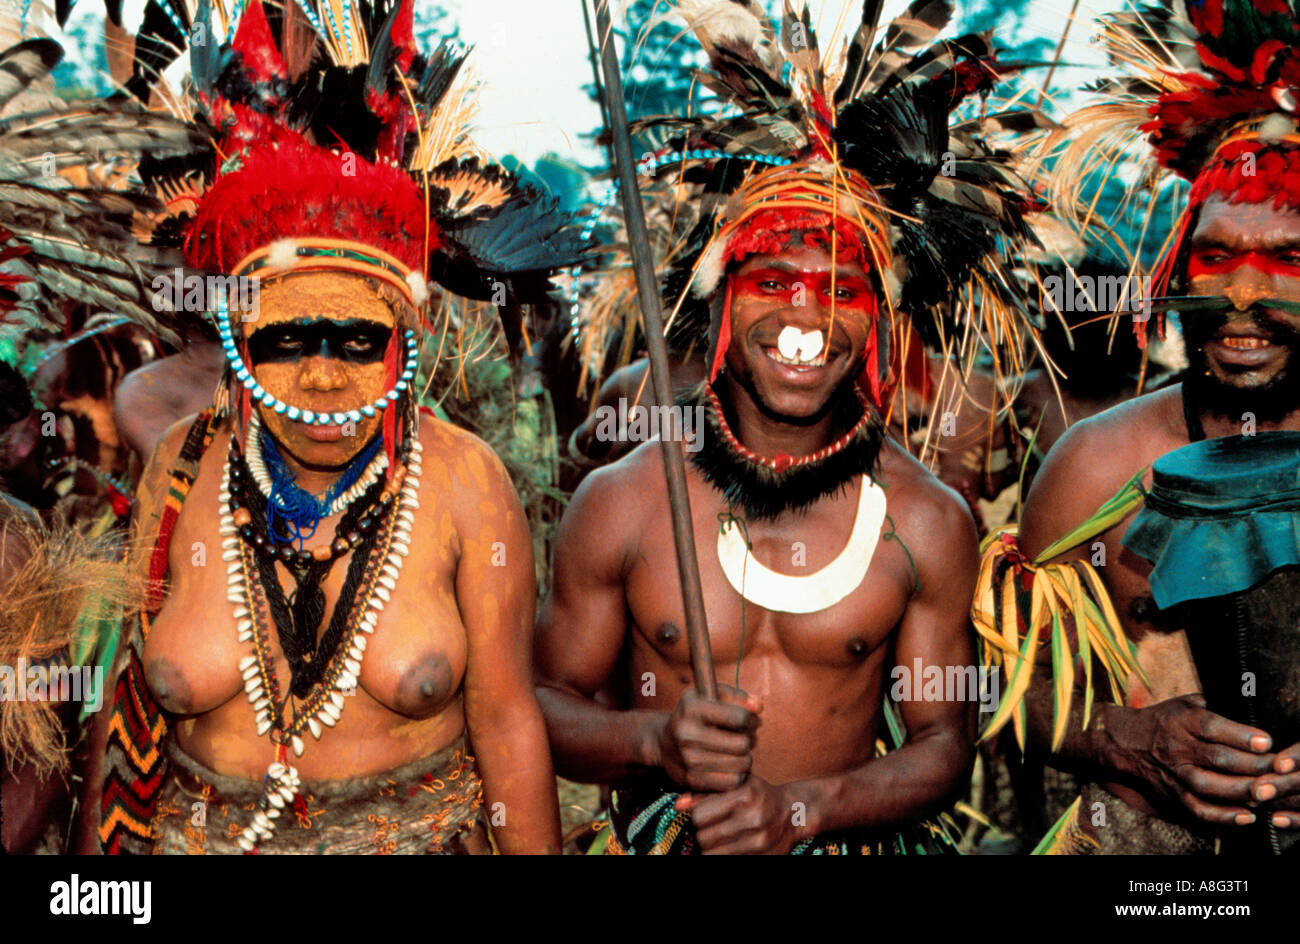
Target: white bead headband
267,399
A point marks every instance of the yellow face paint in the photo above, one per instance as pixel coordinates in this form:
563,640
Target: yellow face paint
320,379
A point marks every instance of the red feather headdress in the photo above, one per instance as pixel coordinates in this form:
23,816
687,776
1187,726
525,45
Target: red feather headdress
329,124
1214,88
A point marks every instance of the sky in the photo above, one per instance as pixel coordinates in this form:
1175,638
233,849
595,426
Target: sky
531,59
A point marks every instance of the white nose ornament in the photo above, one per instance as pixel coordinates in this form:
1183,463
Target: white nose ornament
799,345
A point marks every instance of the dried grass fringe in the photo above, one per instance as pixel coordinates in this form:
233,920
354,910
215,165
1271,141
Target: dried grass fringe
60,585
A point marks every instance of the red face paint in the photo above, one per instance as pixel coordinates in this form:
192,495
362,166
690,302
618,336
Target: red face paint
851,299
798,288
1217,261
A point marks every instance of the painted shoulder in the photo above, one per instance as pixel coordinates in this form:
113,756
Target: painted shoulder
464,460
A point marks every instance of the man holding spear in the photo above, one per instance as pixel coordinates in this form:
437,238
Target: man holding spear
830,561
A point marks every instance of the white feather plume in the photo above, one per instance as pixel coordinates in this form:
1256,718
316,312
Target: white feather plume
282,254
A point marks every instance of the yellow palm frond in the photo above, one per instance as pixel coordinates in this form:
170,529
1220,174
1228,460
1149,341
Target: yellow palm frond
1011,638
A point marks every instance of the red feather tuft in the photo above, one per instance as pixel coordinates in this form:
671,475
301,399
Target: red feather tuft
256,46
294,189
404,36
769,231
10,280
1207,17
395,115
1231,93
1273,175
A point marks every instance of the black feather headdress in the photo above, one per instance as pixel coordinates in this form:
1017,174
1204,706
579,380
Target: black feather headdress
876,140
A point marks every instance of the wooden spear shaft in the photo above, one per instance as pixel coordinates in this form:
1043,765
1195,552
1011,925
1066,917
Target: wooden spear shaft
594,56
652,324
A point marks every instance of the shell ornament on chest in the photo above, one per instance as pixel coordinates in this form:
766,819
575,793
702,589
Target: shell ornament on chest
811,593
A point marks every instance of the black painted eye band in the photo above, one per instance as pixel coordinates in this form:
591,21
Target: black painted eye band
353,341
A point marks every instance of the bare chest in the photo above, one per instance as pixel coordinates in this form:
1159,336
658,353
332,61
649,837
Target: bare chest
414,660
805,553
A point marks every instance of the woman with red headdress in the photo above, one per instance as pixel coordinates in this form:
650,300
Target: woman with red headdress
336,654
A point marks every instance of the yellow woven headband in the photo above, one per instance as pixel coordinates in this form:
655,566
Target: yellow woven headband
308,254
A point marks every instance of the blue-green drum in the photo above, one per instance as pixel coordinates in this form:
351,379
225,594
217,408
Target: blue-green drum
1221,528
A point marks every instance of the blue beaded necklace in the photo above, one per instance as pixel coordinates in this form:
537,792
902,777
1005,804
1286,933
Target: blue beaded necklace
293,513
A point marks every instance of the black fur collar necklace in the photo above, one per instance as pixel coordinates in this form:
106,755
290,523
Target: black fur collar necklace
768,487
